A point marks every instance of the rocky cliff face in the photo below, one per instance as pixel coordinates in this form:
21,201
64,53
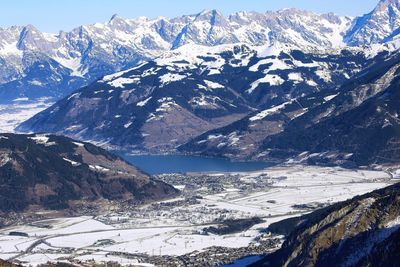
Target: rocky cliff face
54,172
364,231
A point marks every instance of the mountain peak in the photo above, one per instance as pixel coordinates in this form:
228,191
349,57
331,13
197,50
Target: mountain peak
209,13
293,11
29,36
30,28
113,17
386,6
387,3
365,30
117,22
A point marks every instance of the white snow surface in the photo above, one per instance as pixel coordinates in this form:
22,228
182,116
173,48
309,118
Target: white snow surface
170,232
11,115
268,112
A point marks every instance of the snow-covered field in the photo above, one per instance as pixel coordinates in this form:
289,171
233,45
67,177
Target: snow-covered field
21,110
170,231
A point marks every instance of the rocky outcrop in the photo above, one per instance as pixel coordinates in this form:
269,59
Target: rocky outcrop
363,231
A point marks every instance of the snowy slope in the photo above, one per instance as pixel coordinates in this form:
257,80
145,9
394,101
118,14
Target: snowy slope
164,103
380,25
244,138
362,123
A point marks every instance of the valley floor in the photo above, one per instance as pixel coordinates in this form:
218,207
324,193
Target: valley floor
11,115
157,233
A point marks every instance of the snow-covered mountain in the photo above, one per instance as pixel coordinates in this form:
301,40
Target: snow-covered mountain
229,100
285,130
36,64
65,61
359,126
380,25
166,102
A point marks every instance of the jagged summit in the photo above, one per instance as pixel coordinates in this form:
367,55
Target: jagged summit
380,25
205,12
113,17
89,52
213,17
385,4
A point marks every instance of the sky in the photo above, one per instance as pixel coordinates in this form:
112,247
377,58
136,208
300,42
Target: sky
55,15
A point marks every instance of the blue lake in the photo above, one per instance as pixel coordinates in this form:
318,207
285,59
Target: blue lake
157,164
243,261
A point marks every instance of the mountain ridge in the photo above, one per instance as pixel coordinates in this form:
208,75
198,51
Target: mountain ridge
54,173
91,51
191,90
265,133
363,231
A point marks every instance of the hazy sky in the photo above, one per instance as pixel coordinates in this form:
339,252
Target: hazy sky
55,15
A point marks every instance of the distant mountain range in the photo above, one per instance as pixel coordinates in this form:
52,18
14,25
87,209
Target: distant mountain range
36,64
